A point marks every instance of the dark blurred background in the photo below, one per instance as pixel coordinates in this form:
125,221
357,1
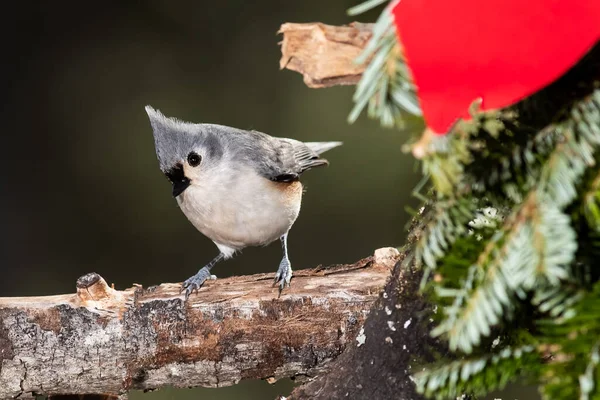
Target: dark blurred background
81,186
83,191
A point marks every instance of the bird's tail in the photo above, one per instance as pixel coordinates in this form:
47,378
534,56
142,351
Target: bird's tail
322,147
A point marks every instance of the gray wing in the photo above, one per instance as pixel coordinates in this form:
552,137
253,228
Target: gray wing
287,159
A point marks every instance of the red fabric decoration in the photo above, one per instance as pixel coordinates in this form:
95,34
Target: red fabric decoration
499,50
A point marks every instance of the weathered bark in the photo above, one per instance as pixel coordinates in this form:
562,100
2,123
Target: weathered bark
105,341
325,55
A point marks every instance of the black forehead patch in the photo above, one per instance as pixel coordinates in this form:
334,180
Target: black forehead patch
175,174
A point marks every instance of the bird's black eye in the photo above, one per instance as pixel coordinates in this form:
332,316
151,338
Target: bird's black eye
194,159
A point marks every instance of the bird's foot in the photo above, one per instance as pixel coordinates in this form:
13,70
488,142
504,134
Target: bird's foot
195,282
283,275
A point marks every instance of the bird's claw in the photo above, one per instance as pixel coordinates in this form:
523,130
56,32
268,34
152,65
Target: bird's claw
283,275
195,282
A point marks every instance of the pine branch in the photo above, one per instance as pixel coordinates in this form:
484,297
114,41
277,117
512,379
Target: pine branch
537,243
591,204
507,163
572,371
386,85
478,375
444,160
587,380
448,223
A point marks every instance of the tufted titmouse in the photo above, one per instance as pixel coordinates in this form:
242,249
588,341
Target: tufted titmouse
239,188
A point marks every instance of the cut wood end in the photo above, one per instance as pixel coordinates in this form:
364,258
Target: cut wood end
387,256
324,54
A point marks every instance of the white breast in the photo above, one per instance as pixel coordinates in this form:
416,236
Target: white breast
236,213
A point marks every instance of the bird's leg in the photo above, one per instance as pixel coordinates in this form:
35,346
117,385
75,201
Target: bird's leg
197,280
284,273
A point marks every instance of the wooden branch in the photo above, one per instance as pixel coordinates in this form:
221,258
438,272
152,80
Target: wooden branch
104,341
325,55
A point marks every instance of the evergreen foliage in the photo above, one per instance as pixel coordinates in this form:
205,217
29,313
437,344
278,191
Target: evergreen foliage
490,372
386,86
511,246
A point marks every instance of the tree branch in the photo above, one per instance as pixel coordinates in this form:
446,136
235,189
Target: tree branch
325,55
104,341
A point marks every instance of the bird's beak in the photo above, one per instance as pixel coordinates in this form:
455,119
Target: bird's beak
179,187
179,181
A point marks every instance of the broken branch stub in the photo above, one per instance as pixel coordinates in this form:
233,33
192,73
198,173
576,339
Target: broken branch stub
105,341
324,54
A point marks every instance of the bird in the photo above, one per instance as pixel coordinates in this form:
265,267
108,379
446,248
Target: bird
240,188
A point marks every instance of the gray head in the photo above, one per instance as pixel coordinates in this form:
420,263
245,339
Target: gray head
182,147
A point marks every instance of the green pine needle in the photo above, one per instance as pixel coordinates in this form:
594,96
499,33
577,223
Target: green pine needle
534,249
478,375
385,88
364,7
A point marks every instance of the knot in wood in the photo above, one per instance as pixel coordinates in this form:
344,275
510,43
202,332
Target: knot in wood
87,280
92,287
